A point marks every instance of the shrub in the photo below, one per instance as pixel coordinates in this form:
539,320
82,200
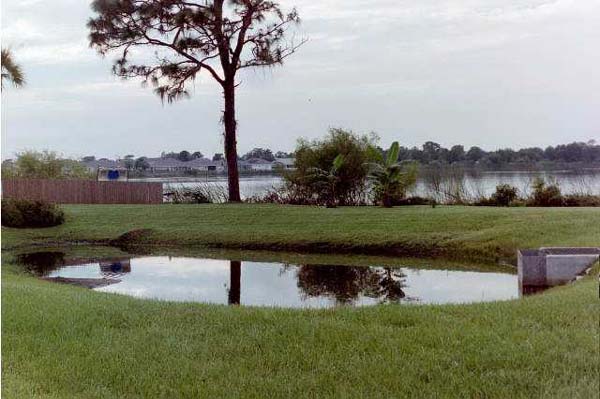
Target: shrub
414,200
41,263
328,180
484,201
288,194
546,195
201,194
25,213
505,194
581,200
350,187
446,184
45,165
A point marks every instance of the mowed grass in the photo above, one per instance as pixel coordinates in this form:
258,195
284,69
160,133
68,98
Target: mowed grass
66,342
459,232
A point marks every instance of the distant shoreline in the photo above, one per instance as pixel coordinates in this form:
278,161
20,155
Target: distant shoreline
468,169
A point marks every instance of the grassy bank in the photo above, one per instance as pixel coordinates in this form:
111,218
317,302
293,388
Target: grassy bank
61,341
67,342
455,232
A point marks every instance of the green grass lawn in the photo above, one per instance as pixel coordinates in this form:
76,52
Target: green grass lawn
66,342
458,232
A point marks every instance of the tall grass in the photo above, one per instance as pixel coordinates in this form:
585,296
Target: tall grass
201,193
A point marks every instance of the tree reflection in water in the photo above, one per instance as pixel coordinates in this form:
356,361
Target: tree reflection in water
42,263
347,283
235,282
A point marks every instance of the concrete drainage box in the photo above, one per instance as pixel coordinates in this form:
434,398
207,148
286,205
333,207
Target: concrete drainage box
546,267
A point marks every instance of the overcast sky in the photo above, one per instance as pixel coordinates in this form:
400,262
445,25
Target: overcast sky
492,73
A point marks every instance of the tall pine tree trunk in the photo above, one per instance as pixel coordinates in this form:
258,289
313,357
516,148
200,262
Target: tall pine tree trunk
231,142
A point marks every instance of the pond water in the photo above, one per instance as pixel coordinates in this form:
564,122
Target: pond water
475,184
273,284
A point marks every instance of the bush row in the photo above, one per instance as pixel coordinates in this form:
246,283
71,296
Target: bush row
544,195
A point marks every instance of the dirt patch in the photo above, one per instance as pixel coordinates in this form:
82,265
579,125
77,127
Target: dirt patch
133,237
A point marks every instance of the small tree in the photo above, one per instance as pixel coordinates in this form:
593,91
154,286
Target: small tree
45,165
129,161
262,153
184,156
216,36
505,194
390,179
283,154
142,163
546,195
320,155
329,179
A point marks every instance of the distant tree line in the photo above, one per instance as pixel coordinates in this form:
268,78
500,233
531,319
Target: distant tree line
430,153
44,165
433,153
183,156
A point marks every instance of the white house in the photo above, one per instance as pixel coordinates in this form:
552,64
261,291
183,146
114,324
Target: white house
257,165
102,163
205,164
284,163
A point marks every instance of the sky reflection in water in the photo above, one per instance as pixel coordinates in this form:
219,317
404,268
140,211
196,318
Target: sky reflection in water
283,285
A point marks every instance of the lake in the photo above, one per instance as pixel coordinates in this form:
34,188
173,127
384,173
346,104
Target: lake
481,183
274,284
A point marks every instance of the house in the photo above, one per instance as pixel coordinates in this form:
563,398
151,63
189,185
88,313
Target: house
256,165
284,163
160,165
175,165
166,165
102,163
205,164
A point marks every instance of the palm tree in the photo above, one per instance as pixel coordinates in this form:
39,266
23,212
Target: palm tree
11,71
390,179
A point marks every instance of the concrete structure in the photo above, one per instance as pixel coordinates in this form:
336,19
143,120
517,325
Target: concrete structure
112,174
546,267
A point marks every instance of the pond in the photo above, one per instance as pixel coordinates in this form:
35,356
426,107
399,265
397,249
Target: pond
278,284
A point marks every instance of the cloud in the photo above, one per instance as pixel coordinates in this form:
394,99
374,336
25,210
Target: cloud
477,72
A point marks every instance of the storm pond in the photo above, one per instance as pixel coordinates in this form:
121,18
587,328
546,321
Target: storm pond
299,282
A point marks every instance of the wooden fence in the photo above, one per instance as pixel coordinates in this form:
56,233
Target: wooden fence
83,191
